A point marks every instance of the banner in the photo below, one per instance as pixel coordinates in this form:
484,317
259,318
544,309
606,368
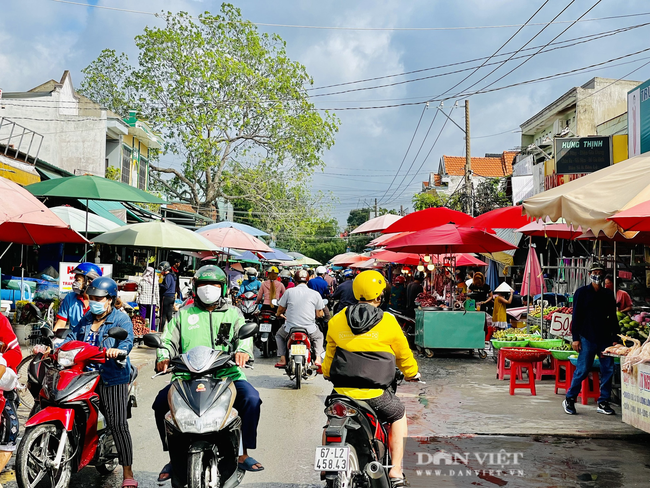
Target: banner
66,276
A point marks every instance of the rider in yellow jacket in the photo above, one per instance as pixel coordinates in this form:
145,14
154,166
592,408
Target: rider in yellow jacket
364,345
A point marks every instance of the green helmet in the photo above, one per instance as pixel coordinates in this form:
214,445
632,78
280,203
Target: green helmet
211,274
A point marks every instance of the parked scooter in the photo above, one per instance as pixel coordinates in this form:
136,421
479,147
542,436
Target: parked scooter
203,428
356,451
68,432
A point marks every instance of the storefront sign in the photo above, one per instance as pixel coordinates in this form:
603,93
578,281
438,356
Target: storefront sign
638,120
635,390
66,277
561,324
582,154
555,180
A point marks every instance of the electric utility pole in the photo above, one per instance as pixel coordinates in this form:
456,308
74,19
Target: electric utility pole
468,162
375,207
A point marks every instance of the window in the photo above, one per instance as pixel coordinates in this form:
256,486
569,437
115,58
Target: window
126,164
142,176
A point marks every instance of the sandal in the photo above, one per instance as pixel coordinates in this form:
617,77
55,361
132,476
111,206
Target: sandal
398,482
165,473
280,365
248,464
129,482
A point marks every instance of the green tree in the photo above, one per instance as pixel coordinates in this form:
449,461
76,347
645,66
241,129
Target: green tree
357,217
490,194
423,201
228,101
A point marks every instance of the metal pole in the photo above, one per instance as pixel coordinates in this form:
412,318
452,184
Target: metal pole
530,243
468,162
541,282
86,243
614,272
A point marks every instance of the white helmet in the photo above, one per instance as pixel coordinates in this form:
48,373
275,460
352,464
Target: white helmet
321,270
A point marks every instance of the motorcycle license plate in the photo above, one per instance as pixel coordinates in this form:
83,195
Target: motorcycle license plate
265,327
298,350
331,458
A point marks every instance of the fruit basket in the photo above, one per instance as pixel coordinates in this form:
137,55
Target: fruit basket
574,360
499,344
561,355
524,354
547,343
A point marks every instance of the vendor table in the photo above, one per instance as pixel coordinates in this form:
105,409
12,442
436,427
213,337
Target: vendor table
449,330
635,393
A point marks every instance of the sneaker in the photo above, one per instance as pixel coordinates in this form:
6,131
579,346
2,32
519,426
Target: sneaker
603,407
569,405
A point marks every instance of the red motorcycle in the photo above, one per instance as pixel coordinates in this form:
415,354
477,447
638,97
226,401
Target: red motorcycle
69,431
300,361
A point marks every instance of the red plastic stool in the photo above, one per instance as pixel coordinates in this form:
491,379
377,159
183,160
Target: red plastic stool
518,367
541,371
569,369
502,370
587,391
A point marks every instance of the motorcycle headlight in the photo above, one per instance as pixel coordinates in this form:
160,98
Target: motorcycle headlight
66,358
187,421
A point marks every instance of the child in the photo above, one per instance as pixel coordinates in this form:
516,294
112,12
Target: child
499,318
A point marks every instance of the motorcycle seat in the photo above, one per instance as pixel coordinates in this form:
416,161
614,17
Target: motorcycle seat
299,329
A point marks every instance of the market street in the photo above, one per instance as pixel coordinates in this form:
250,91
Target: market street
291,421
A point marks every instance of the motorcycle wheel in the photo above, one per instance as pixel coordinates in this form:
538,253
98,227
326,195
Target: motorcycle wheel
37,447
266,352
345,479
107,468
298,375
24,395
200,466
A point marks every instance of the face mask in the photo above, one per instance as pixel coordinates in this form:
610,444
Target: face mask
97,308
209,294
596,279
77,287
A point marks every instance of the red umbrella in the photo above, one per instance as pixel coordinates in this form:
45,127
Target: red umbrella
425,219
532,283
634,218
348,258
25,220
449,238
500,218
462,259
409,259
554,231
232,238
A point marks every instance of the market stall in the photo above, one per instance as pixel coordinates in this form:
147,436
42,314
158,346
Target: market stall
441,328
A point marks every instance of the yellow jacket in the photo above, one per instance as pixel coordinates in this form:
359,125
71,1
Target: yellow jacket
365,354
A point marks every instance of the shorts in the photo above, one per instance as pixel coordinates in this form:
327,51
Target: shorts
388,407
10,425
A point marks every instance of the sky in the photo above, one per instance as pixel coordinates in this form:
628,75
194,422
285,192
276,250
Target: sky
342,41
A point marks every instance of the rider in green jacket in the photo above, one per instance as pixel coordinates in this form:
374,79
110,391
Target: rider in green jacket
202,324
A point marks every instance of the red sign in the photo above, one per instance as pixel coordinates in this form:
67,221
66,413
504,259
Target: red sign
555,180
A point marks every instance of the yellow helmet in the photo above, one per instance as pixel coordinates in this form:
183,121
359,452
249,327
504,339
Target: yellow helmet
368,285
273,269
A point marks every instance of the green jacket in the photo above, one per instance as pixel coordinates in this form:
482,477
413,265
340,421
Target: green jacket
190,327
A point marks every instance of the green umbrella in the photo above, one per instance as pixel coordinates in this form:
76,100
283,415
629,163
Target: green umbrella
156,234
91,188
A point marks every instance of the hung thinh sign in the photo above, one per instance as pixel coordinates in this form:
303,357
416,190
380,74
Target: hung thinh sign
582,154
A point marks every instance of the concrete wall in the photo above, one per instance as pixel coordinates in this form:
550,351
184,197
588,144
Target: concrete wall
73,130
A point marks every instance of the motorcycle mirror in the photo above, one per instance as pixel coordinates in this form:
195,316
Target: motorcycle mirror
248,330
274,302
152,340
47,332
118,333
325,301
61,333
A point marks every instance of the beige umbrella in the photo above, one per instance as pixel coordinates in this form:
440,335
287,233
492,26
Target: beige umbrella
377,224
588,201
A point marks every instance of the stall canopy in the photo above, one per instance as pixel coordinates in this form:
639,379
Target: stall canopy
302,260
348,258
76,219
25,220
425,219
589,201
249,229
636,218
377,224
448,239
276,255
230,237
553,230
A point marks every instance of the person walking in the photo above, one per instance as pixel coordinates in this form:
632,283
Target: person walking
167,293
148,296
594,328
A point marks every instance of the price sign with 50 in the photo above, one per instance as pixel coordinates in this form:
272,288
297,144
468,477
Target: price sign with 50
561,324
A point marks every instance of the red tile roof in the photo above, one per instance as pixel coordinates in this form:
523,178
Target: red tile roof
491,167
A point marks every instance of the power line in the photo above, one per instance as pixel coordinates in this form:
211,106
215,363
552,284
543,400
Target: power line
318,27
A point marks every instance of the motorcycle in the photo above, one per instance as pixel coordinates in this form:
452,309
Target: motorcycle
248,306
356,451
203,428
265,337
68,432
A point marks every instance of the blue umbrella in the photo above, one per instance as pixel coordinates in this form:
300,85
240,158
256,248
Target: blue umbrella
249,257
492,275
276,255
243,227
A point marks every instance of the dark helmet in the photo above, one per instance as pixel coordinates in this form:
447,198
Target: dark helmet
164,266
419,276
103,287
89,270
348,273
210,274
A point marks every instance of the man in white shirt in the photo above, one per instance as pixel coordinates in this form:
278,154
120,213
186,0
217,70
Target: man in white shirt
302,306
